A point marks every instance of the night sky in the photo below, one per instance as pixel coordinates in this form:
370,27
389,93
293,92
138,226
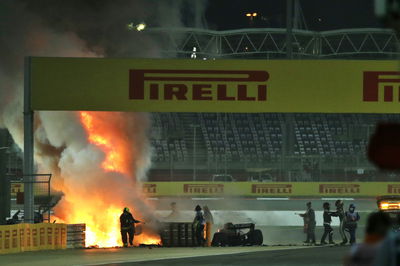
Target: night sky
319,14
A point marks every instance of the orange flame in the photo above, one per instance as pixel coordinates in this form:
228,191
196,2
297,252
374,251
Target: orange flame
99,211
111,147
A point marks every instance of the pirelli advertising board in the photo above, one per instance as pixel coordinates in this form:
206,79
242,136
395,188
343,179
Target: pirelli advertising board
186,85
287,189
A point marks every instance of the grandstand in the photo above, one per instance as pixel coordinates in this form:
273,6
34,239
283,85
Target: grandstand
285,147
307,147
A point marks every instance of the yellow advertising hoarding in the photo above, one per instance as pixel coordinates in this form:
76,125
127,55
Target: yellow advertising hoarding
30,237
286,189
18,187
185,85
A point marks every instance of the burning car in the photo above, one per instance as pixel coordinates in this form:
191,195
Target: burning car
391,206
232,235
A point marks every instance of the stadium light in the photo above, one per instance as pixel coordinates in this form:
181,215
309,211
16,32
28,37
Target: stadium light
138,27
251,15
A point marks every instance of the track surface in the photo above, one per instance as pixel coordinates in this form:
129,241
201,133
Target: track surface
367,204
273,255
280,255
328,256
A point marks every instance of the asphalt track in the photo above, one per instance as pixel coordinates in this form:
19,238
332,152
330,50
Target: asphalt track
328,256
263,255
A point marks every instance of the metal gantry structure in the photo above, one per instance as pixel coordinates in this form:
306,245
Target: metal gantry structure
270,43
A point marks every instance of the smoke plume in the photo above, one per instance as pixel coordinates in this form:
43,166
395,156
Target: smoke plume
81,28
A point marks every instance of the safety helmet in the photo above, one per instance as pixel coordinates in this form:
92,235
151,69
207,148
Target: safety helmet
198,208
326,205
126,209
339,203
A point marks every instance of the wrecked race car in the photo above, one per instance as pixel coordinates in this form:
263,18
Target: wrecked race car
233,235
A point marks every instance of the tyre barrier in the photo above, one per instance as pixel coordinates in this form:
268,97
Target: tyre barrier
76,235
177,235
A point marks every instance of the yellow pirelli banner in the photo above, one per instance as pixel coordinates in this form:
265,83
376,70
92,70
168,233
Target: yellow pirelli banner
287,189
18,187
30,237
185,85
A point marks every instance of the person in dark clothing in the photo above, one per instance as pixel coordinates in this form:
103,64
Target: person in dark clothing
352,217
327,224
198,225
309,223
127,227
340,213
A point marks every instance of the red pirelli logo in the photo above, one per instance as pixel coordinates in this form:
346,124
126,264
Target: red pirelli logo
271,188
172,84
339,188
150,188
16,188
375,80
393,189
203,188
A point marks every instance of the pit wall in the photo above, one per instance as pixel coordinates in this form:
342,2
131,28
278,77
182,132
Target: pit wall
281,189
30,237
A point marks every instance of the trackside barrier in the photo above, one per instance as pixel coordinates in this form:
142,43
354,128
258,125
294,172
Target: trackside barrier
180,234
271,189
30,237
76,236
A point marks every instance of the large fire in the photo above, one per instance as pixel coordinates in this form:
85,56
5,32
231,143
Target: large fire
97,209
115,150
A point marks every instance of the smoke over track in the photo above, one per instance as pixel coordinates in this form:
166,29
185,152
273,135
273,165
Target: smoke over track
97,177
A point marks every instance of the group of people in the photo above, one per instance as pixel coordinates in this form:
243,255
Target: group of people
202,224
348,222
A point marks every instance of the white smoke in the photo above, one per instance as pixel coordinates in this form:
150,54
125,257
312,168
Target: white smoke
72,29
78,29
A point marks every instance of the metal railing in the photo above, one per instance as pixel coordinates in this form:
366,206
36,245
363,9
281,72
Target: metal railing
42,197
365,43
